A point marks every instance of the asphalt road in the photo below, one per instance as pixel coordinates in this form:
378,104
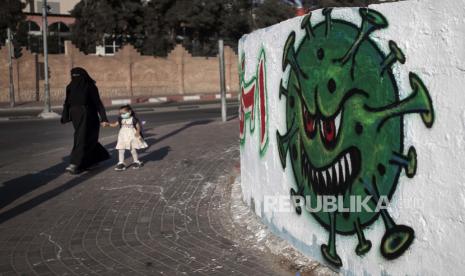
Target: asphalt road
35,137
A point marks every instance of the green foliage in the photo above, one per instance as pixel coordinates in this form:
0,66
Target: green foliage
272,12
97,18
155,38
237,21
11,13
10,16
154,27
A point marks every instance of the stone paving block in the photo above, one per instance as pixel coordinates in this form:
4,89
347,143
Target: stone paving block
160,220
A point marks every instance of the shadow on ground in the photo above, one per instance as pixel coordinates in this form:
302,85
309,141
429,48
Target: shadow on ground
17,187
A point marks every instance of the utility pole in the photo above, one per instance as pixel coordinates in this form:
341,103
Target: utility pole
222,79
11,87
47,112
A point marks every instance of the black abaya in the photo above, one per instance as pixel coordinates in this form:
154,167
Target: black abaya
83,106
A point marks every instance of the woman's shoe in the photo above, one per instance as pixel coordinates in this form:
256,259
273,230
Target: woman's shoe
72,169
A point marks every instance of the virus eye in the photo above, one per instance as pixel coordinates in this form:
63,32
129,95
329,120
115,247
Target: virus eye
330,129
309,122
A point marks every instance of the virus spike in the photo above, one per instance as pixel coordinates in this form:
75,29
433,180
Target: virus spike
288,52
327,13
364,245
419,101
371,21
283,142
289,56
282,90
396,54
409,162
329,250
307,25
293,193
397,237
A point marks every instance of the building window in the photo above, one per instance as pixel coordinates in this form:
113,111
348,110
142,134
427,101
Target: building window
32,34
58,33
111,45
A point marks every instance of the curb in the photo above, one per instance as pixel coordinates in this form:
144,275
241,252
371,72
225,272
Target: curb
142,108
166,99
114,103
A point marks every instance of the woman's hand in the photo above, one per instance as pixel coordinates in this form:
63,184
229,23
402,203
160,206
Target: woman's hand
104,124
137,134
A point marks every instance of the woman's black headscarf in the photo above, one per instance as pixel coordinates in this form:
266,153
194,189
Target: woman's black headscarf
80,79
81,88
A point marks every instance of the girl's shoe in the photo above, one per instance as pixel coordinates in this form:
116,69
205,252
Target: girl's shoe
137,165
120,167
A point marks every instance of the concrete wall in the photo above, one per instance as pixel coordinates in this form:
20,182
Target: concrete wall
401,131
126,74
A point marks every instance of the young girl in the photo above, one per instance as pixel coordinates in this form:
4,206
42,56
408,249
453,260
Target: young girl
129,137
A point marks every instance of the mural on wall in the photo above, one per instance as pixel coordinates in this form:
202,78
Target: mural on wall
253,101
345,129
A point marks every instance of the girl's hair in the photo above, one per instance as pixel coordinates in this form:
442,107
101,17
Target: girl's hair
128,108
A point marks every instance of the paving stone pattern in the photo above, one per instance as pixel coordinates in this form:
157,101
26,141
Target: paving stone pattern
163,219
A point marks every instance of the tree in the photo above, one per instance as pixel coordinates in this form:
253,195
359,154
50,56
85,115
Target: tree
156,33
272,12
236,21
197,23
11,15
155,26
96,19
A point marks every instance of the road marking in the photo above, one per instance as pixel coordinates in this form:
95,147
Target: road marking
228,96
191,98
158,100
121,102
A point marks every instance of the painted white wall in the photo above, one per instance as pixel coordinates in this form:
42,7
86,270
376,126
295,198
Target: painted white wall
431,34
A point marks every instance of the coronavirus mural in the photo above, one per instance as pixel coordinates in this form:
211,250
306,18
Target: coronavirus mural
344,119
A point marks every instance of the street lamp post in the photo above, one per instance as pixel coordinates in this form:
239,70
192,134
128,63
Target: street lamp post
222,80
47,112
11,87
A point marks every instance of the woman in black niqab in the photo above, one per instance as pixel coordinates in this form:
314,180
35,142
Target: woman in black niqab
83,107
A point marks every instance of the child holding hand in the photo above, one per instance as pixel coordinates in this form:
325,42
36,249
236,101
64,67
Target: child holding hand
129,137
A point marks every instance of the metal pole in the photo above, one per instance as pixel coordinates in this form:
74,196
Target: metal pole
11,87
47,107
222,79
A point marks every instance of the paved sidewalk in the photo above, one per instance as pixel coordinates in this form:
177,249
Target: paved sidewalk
166,219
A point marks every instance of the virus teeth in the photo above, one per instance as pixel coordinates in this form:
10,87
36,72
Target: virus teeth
332,179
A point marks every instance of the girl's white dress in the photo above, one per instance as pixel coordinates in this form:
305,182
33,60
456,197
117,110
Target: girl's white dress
127,139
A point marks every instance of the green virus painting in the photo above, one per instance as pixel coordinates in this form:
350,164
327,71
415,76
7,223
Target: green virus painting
344,119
